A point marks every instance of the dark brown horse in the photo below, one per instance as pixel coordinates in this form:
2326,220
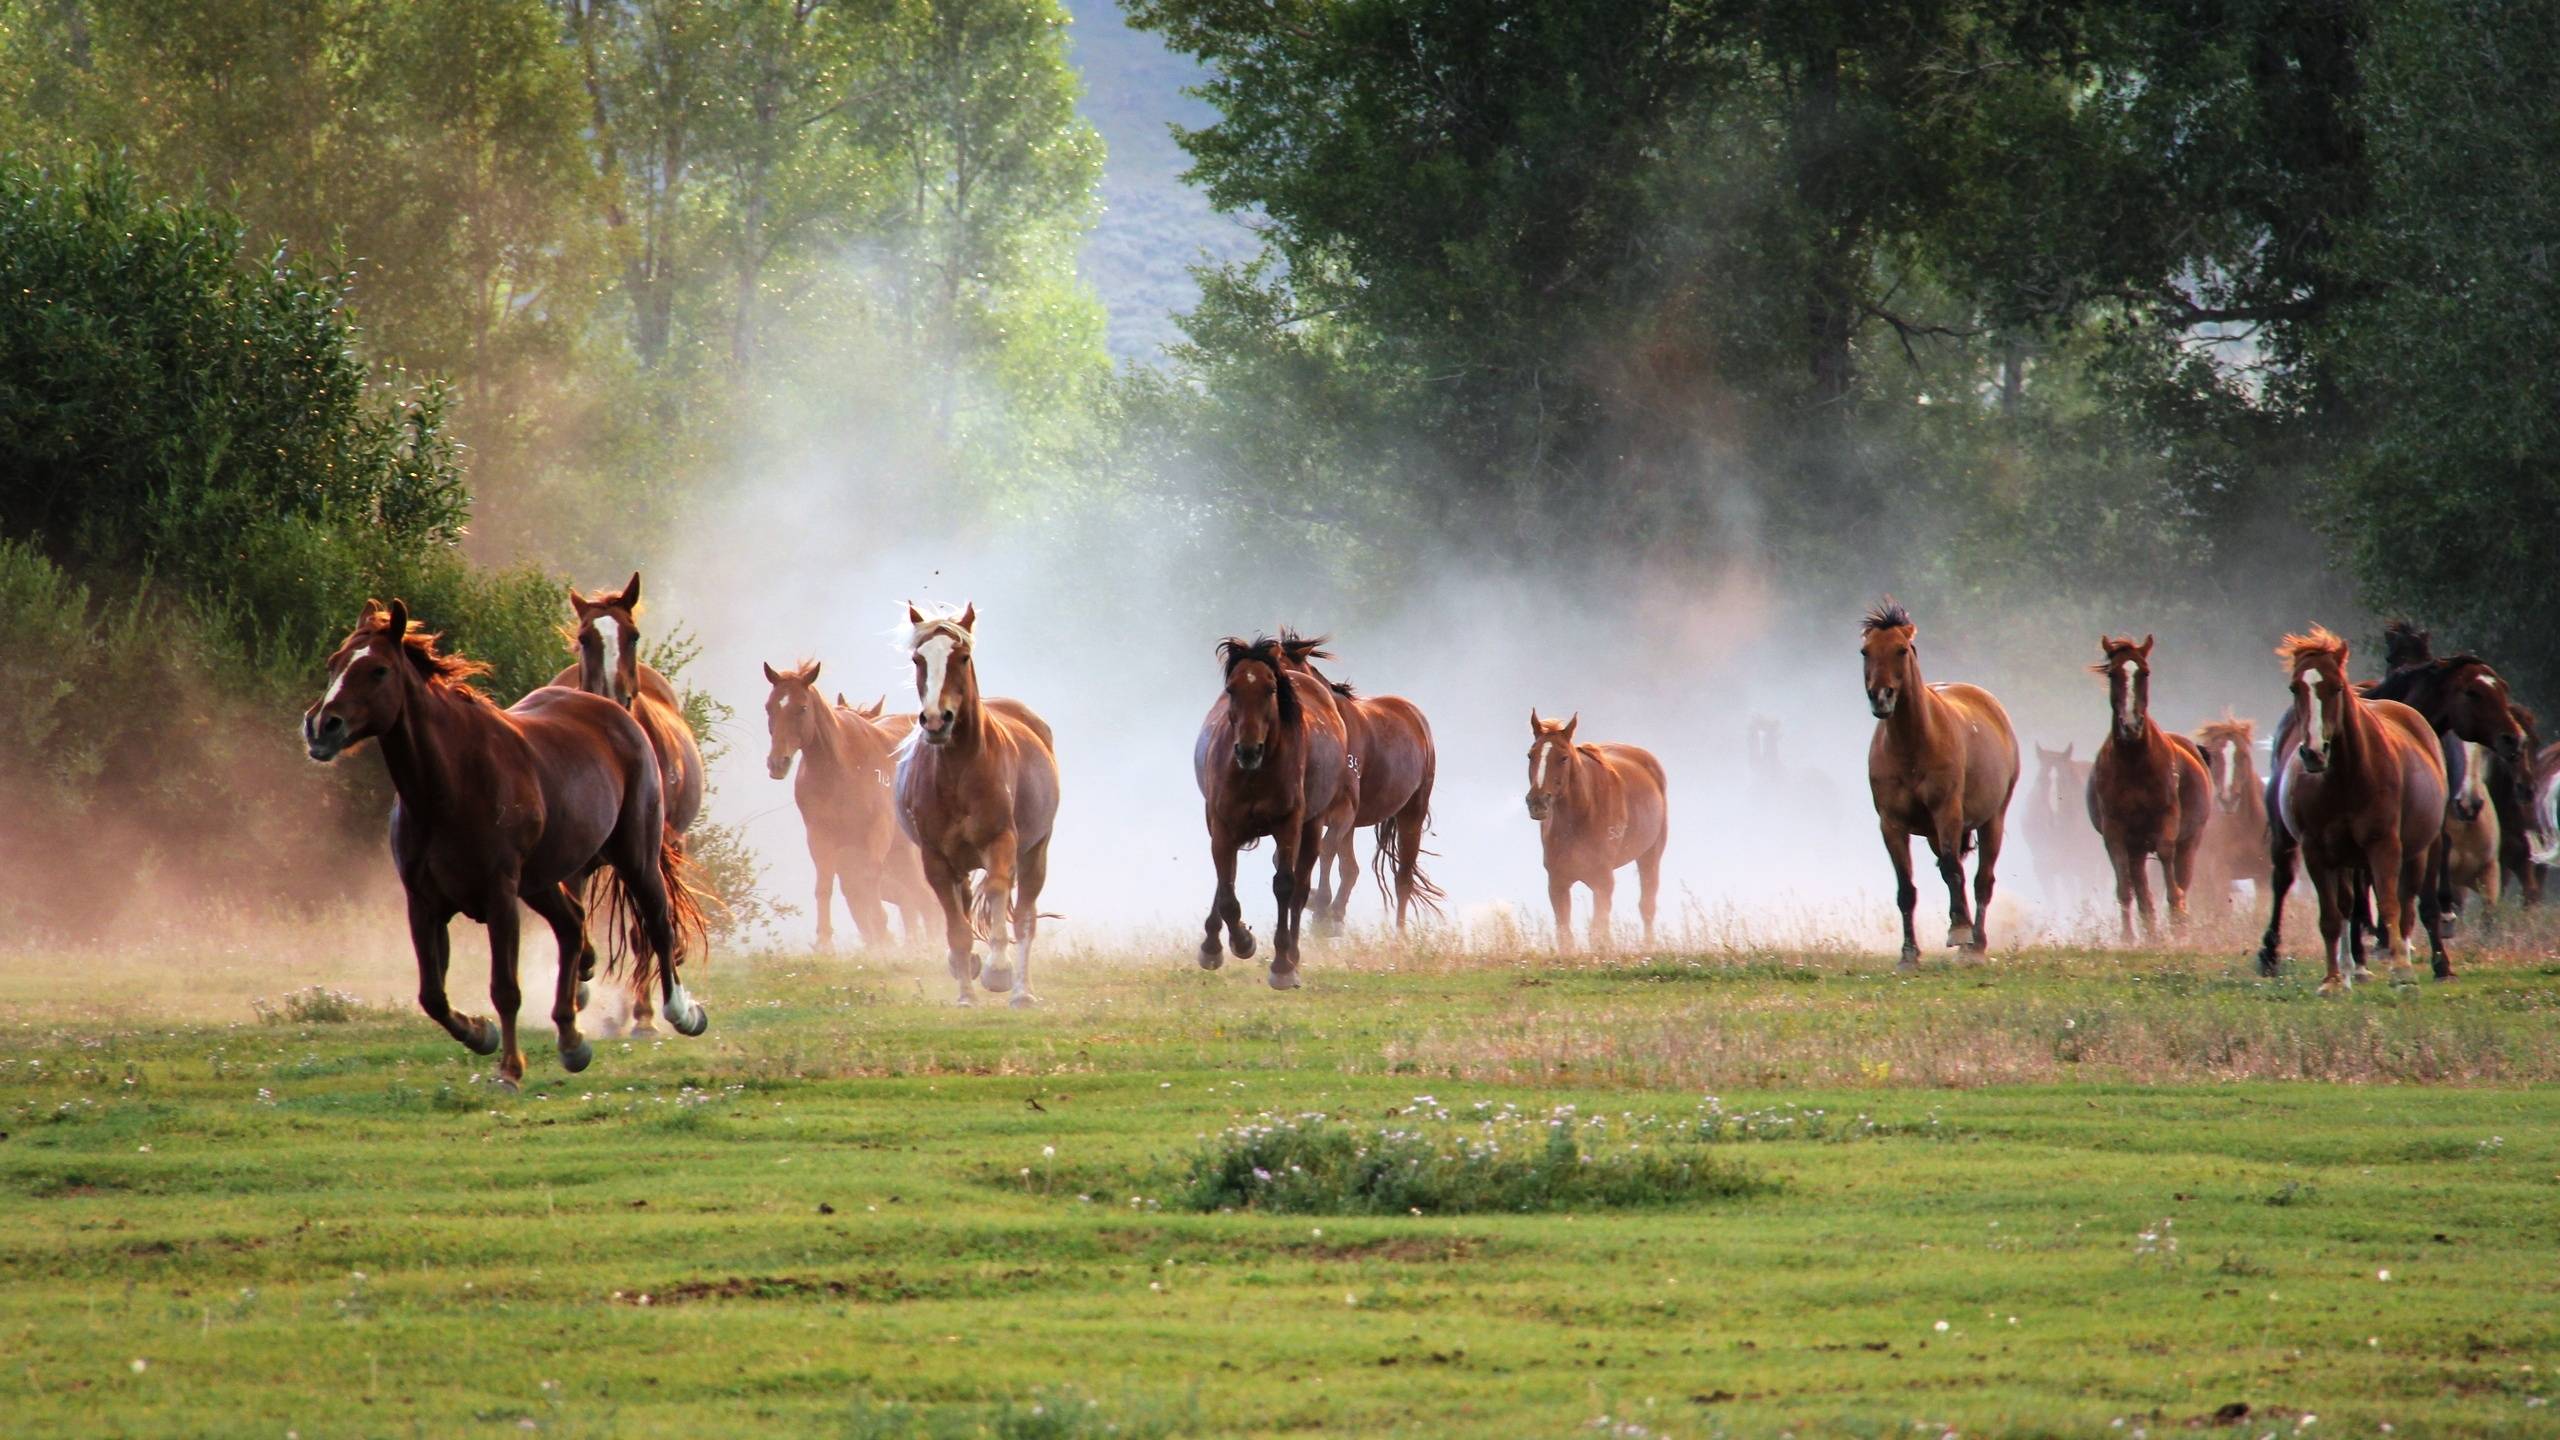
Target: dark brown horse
977,792
1272,760
2148,792
1393,765
1942,765
847,764
2070,859
500,806
2235,839
619,675
1599,808
2362,795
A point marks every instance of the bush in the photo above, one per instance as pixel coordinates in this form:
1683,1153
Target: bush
1509,1160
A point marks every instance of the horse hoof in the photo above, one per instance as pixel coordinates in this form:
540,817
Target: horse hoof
640,1028
1211,957
1910,958
2445,973
1284,979
700,1018
2268,966
2333,986
996,977
484,1038
1961,937
1023,1000
578,1058
1240,944
965,1000
504,1081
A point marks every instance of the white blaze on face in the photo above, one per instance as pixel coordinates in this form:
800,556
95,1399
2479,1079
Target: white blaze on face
1538,769
936,653
338,681
2124,704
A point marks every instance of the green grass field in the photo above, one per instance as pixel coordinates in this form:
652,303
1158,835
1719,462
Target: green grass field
2062,1193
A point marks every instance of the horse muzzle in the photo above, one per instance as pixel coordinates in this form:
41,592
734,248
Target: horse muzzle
935,732
1538,807
778,766
1250,757
1880,703
2313,761
324,738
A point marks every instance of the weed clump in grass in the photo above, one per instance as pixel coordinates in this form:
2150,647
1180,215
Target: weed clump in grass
1790,1121
1509,1160
312,1005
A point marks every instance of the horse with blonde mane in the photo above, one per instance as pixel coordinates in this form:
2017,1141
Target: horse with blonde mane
1272,759
1942,765
977,792
2148,792
2235,839
2362,797
1599,807
847,762
496,807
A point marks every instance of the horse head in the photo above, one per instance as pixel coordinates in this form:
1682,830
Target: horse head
1550,761
2226,745
946,677
1261,703
790,715
2316,668
374,674
2128,671
617,678
1891,652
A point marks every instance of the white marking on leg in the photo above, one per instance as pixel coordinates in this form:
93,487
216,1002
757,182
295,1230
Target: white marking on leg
680,1007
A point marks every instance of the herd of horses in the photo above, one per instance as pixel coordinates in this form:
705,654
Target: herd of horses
2395,796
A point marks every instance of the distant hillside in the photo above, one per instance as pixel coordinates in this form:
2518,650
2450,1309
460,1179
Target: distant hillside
1153,227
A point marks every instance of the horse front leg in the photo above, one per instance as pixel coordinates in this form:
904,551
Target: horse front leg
434,946
2281,849
1225,911
2138,870
1295,850
1986,865
1948,845
995,905
2335,913
1604,890
2128,868
559,905
1906,895
506,994
959,942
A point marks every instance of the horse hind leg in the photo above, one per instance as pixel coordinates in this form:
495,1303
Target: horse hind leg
1649,886
995,916
1031,876
506,994
1950,853
434,945
559,905
1986,866
1906,894
2281,850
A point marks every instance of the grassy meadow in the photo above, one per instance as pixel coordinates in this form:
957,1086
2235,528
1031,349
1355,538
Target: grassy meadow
2063,1192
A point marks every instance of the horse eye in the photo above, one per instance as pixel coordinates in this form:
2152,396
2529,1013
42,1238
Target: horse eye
381,670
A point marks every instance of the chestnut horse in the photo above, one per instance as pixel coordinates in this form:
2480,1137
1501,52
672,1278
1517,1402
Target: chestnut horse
2235,839
500,806
2513,786
1599,807
2148,792
1942,765
1393,765
977,791
652,701
2362,795
1272,759
2472,837
847,761
2070,859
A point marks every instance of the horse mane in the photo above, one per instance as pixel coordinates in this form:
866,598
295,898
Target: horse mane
1235,650
2419,683
2231,728
419,645
1886,614
2321,641
944,621
2404,644
1306,650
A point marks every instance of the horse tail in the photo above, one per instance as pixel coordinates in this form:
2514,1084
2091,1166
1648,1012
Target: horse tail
627,922
1400,850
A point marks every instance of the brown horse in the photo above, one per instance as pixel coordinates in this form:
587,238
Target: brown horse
500,806
1942,765
1393,765
2235,839
1599,808
2363,797
652,701
977,791
847,763
2513,786
2070,859
2148,792
2472,839
1272,759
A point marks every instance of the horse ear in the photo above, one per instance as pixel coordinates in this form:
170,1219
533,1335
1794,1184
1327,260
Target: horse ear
1569,726
1535,725
373,607
2146,647
969,617
809,673
914,615
2067,749
631,592
396,619
771,678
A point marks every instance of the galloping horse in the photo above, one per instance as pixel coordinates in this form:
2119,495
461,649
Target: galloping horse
2472,837
2148,791
2070,859
977,791
847,761
2513,785
652,701
1393,764
2235,839
1599,807
1272,759
2363,798
496,806
1942,764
